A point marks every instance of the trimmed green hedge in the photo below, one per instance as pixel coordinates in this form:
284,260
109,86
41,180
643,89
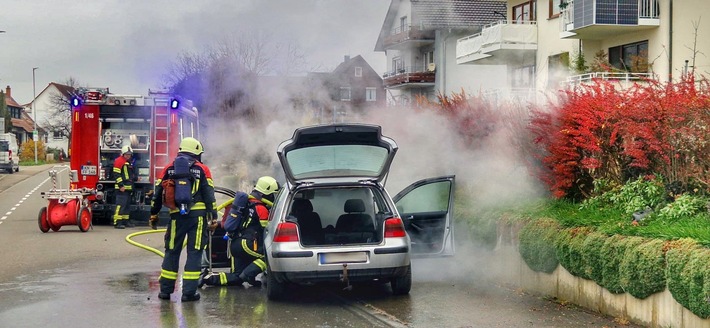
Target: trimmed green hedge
642,267
537,245
635,265
569,249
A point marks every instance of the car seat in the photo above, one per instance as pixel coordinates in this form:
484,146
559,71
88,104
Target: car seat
309,222
355,219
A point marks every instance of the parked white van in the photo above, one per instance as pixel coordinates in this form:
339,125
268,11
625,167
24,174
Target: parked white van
9,153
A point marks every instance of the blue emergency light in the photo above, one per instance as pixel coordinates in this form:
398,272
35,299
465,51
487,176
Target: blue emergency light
75,101
174,103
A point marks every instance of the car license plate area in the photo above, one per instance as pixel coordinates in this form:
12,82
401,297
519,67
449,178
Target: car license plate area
342,257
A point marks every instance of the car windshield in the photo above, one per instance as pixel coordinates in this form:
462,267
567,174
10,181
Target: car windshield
4,146
337,161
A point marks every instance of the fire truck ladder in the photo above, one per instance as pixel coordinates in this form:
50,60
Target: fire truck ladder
161,123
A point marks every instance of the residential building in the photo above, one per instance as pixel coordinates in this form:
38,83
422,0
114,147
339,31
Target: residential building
419,38
542,41
21,124
352,87
54,114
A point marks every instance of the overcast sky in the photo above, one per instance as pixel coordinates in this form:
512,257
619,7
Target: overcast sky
126,45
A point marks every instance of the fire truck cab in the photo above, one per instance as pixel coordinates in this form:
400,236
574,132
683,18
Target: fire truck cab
103,122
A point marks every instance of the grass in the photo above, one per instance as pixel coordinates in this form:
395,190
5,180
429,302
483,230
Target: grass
613,221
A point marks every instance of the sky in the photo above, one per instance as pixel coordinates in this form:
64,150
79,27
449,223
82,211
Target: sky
127,45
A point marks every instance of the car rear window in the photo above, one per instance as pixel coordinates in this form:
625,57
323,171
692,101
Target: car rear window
4,146
337,161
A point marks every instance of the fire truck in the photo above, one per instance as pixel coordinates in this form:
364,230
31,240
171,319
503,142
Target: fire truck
103,122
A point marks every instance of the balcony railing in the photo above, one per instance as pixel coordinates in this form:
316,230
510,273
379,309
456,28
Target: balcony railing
609,76
408,33
596,19
409,75
503,39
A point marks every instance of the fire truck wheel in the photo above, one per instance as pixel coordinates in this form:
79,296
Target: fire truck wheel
42,220
83,219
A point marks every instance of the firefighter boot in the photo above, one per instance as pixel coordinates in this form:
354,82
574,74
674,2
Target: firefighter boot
190,298
164,296
249,275
120,225
129,223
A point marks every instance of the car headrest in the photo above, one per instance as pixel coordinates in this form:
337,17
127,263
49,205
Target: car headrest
354,205
301,205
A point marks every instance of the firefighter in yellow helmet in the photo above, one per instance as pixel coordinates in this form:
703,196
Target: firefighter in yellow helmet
247,241
124,177
190,223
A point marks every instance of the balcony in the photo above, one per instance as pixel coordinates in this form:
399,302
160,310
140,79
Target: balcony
407,36
625,79
409,77
499,43
600,19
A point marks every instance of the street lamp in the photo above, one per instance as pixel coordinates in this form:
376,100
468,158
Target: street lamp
35,134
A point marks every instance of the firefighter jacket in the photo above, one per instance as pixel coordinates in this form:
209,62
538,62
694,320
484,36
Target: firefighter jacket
202,189
123,173
253,225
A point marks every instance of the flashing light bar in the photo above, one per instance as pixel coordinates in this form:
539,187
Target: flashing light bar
75,101
174,103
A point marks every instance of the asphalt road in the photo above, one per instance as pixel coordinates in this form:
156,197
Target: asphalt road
97,279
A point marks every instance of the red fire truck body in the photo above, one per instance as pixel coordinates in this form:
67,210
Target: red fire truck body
102,123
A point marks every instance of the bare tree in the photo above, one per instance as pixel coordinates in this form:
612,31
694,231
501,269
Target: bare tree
694,49
58,119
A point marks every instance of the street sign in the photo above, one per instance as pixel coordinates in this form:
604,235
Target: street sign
34,135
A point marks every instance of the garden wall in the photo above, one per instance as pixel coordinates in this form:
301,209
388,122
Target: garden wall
657,310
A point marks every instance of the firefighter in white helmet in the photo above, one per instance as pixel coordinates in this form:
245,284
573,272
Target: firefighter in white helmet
123,175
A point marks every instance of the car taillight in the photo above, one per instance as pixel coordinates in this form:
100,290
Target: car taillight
394,228
285,232
10,154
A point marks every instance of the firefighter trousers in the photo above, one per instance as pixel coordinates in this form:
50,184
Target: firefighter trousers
247,262
192,226
122,212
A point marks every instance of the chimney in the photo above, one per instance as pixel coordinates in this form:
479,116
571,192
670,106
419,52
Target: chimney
7,92
347,57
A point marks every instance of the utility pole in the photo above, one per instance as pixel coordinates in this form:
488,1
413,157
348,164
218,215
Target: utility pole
35,134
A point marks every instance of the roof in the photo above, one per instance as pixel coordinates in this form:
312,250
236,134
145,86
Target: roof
436,14
64,90
355,61
444,14
24,124
11,102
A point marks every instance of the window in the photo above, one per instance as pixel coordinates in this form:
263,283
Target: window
555,7
524,12
403,24
523,77
397,65
557,69
429,61
57,134
345,93
370,94
358,71
631,57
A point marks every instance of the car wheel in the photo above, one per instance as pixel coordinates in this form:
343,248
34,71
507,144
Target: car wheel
275,290
11,170
402,285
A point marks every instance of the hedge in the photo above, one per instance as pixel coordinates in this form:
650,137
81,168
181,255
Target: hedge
635,265
537,245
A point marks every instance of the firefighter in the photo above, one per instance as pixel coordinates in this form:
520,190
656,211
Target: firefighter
247,242
123,174
191,225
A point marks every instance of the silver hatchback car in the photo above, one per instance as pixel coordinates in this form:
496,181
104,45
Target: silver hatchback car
333,221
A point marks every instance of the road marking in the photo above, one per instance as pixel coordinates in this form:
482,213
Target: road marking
8,213
14,208
3,218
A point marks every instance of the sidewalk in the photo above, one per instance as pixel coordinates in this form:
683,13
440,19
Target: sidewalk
34,169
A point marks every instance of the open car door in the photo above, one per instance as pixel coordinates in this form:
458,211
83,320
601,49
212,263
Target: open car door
426,207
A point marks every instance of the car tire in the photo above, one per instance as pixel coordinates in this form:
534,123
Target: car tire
275,290
402,285
11,170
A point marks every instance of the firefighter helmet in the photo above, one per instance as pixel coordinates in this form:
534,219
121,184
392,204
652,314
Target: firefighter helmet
192,146
266,185
126,150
